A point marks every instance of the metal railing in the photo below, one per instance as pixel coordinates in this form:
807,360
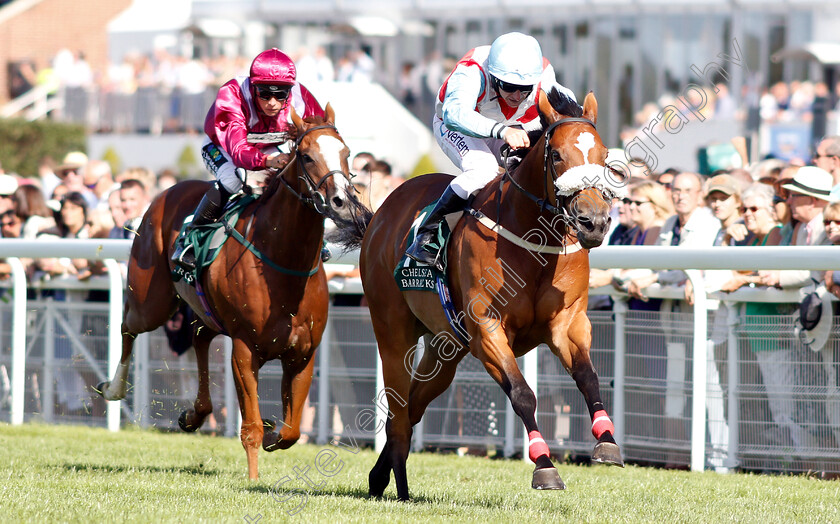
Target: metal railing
474,411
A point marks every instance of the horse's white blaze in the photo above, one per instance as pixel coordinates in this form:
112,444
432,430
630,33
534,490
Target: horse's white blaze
585,142
331,149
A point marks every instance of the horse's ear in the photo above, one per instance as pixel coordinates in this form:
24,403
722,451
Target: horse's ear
545,107
296,120
590,108
330,114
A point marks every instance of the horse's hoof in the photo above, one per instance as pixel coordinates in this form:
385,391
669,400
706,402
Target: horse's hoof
547,478
182,422
102,388
377,486
271,441
607,453
268,425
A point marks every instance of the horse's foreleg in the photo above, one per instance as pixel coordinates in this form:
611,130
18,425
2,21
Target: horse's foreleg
192,419
500,363
295,388
575,358
245,377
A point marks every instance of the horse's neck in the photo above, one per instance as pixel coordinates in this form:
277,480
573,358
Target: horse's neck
285,227
517,211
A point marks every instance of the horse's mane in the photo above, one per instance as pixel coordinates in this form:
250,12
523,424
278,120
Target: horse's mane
563,104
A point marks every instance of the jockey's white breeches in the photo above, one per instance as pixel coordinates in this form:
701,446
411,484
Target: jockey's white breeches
221,165
477,158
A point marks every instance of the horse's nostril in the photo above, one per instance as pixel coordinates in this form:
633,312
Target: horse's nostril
337,201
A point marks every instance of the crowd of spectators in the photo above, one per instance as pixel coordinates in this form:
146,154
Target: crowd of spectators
769,203
796,101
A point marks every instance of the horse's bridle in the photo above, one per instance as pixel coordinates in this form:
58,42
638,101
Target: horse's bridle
315,199
543,203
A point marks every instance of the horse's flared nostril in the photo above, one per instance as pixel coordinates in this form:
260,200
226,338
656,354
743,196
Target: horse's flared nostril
337,202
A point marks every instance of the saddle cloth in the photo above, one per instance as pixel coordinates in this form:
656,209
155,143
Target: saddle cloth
208,239
414,276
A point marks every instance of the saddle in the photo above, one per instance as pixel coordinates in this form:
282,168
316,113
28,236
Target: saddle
208,239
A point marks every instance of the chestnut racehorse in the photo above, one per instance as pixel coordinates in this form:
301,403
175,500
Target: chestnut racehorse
273,305
513,293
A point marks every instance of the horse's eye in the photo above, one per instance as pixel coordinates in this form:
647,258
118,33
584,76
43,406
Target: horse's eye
306,158
555,156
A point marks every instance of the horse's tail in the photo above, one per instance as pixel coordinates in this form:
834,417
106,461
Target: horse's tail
350,232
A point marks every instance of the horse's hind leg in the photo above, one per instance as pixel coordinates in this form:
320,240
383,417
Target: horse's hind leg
136,321
394,343
574,354
192,419
295,387
434,373
149,302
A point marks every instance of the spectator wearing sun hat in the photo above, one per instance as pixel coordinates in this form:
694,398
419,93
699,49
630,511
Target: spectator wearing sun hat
72,171
809,192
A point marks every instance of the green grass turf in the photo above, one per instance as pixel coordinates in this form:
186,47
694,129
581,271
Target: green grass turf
79,474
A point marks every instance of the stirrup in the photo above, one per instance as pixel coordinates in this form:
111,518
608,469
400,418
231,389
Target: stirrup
186,258
421,253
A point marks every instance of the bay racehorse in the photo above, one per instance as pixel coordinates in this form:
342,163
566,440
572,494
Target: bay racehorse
518,271
271,297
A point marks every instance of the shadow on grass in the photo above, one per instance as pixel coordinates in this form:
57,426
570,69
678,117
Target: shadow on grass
123,468
362,494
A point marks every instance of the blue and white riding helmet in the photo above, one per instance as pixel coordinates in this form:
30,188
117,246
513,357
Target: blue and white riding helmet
516,59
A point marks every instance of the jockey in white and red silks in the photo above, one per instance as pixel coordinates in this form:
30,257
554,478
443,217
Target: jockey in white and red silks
249,119
489,99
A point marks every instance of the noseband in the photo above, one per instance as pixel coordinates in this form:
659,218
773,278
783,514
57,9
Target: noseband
314,198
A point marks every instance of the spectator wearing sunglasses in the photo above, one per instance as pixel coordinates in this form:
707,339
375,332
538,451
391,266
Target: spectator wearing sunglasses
249,120
8,186
10,227
71,173
827,156
488,100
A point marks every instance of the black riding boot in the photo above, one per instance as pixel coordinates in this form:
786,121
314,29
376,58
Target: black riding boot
208,211
449,203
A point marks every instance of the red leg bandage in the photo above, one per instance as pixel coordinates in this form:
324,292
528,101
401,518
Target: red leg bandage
601,423
536,446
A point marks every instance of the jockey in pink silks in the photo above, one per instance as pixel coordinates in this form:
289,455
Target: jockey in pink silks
249,115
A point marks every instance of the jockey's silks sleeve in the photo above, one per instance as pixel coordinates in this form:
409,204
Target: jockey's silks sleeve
231,126
463,90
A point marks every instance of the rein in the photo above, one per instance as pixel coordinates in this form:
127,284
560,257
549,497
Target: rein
543,203
317,203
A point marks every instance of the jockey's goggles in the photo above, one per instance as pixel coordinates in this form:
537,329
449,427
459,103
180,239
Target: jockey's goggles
269,91
507,87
